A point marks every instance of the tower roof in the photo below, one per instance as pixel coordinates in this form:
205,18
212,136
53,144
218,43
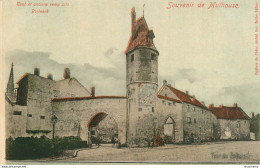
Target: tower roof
10,84
141,35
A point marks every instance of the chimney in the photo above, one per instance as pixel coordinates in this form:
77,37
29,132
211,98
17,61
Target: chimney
187,92
235,105
221,105
92,91
37,71
133,19
49,76
164,82
252,114
66,74
211,105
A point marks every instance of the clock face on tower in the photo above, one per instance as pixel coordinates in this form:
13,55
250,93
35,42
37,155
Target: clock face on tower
146,94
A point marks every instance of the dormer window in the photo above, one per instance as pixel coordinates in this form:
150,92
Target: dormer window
132,57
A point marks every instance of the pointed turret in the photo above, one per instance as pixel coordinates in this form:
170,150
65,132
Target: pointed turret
10,84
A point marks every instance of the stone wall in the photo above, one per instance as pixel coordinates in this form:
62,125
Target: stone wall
15,120
141,67
74,116
197,123
165,109
235,129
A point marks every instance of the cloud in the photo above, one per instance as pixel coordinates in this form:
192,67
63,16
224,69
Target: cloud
247,96
108,81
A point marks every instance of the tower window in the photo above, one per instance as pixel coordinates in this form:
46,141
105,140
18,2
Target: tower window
152,109
153,56
42,117
132,57
29,115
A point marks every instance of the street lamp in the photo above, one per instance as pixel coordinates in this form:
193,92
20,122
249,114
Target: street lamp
53,121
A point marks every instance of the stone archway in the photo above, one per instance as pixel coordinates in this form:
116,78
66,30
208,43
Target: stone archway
169,130
102,128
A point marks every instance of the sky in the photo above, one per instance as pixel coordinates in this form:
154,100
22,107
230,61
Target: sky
209,52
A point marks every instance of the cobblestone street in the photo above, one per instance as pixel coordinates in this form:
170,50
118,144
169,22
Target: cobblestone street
240,151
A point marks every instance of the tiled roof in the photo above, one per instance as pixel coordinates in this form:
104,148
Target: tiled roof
85,98
168,98
141,36
229,113
22,77
185,97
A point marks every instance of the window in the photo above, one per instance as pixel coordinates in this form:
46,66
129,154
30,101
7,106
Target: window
165,95
153,56
17,113
132,57
188,119
163,101
202,111
29,115
42,117
188,107
152,109
140,109
237,125
195,120
194,109
169,104
93,133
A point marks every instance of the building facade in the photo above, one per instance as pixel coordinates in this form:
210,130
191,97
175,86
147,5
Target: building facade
141,116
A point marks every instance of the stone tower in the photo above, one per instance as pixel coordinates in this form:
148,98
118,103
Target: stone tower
141,82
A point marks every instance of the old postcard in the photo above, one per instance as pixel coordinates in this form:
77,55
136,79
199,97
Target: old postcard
134,81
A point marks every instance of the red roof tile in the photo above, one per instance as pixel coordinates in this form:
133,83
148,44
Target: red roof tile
84,98
141,36
168,98
229,113
185,97
22,78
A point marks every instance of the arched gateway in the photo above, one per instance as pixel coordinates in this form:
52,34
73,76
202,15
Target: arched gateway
102,128
81,116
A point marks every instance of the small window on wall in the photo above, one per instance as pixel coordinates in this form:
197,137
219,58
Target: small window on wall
153,56
132,57
237,125
194,109
140,109
188,119
202,111
17,113
165,95
169,104
29,115
195,120
42,117
152,109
